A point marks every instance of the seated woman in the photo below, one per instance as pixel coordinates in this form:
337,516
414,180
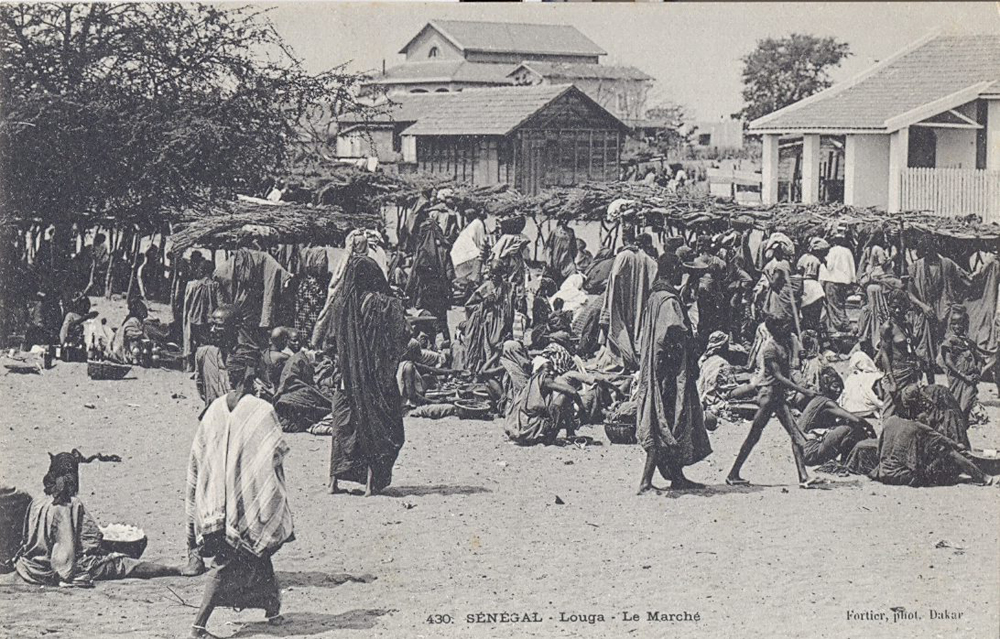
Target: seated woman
412,386
62,542
831,432
298,400
72,331
720,382
859,396
505,381
126,343
939,409
273,361
911,453
539,411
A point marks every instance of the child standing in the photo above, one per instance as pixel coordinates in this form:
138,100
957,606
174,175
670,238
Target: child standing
962,360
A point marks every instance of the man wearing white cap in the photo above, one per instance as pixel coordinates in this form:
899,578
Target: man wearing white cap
838,276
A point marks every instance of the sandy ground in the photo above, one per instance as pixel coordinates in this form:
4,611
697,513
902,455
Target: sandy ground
471,525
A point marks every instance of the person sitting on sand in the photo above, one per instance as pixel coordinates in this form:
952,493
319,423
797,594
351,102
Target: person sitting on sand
720,382
540,410
411,377
62,541
295,341
911,453
298,399
210,373
830,431
72,331
274,358
130,334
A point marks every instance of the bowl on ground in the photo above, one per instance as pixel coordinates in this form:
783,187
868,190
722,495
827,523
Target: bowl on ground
988,461
107,370
472,409
620,433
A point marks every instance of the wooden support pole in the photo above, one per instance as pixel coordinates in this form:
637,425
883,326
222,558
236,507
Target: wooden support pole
136,243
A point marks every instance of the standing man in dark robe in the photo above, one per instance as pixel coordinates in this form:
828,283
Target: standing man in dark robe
429,286
669,420
936,283
628,285
562,252
258,283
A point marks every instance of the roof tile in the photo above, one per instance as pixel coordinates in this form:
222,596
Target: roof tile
581,71
514,37
936,69
448,71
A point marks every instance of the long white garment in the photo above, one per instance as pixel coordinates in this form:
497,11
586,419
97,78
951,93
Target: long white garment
469,244
839,267
236,480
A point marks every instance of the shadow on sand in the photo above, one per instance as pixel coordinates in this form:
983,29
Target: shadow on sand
434,489
714,490
304,624
320,579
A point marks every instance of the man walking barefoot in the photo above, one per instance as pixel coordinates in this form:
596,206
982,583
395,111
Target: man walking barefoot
771,401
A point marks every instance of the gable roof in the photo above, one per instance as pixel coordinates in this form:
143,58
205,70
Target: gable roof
406,108
512,37
446,71
497,111
942,72
582,71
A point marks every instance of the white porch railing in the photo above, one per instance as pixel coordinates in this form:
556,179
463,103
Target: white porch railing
951,192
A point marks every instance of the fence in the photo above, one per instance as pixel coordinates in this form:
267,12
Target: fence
742,186
952,192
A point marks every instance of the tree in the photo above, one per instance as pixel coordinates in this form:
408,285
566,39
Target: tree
782,71
134,111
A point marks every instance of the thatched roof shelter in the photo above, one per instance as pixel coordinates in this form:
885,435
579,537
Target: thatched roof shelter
231,224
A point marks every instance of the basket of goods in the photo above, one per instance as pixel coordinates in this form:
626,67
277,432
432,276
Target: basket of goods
988,460
619,426
618,433
472,409
474,392
442,396
125,539
102,370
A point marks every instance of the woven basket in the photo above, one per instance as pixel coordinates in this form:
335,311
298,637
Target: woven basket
133,549
989,464
472,409
620,433
107,370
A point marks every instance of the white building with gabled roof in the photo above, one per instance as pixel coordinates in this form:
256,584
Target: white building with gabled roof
919,131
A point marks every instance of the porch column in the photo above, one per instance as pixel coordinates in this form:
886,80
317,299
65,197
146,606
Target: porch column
993,135
769,169
810,168
409,148
899,150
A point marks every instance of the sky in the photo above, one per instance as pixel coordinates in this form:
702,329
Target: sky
692,49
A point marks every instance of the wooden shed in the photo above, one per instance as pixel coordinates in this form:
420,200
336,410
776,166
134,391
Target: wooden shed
532,137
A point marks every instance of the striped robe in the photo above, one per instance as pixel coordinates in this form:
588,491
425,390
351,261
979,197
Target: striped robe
236,482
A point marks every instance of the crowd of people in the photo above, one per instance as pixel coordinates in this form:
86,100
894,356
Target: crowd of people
678,335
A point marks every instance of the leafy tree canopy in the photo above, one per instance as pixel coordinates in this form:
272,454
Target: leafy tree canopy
136,110
785,70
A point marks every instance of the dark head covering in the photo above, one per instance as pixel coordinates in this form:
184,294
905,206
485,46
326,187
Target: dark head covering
137,308
62,481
